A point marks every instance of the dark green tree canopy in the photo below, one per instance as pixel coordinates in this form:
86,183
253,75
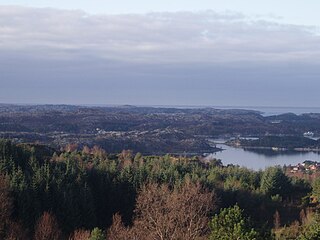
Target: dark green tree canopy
274,181
230,224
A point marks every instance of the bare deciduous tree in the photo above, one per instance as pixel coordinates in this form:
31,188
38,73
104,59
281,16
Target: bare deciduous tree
118,231
98,152
16,232
71,147
47,228
164,213
80,234
174,214
86,150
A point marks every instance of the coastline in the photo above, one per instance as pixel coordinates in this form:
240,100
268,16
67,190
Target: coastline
275,149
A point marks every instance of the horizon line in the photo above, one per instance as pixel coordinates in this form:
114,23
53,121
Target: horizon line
154,105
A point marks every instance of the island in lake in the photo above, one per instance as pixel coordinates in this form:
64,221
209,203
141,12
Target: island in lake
278,143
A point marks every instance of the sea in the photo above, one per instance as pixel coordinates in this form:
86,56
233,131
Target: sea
265,110
269,111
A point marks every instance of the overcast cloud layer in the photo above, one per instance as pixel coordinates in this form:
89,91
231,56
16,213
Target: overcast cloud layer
203,58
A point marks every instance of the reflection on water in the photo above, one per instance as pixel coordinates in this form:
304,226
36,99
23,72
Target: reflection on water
271,153
261,158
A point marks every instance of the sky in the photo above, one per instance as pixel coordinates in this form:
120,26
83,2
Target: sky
291,11
212,53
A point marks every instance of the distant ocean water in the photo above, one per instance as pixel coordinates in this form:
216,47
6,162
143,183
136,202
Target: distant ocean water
269,111
266,111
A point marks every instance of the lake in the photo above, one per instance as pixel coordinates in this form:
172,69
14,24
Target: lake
260,159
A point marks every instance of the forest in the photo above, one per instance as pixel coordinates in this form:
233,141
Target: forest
286,142
86,193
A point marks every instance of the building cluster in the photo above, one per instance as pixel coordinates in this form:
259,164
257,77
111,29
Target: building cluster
305,167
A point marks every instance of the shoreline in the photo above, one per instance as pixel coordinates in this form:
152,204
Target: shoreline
276,149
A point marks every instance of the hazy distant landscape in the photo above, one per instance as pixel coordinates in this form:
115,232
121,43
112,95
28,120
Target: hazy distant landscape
152,130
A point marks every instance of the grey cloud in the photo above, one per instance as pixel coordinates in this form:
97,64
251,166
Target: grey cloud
204,58
155,37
